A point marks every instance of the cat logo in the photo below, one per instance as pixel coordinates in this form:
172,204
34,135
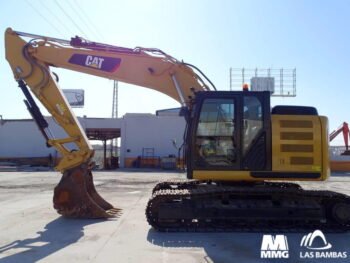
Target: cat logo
94,62
107,64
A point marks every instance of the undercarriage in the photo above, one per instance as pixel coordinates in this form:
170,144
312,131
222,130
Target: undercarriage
204,206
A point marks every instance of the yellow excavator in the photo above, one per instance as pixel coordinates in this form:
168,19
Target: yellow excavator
240,153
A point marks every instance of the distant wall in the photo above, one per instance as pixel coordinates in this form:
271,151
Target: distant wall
22,138
150,131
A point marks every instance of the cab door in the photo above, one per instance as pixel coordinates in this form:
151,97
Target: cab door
216,134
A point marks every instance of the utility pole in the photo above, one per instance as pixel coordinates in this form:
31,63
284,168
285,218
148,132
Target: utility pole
115,100
114,142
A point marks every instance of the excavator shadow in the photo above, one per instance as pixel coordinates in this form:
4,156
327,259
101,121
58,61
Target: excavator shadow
56,235
246,246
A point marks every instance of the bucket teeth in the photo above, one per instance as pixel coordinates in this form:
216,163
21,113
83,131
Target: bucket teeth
75,196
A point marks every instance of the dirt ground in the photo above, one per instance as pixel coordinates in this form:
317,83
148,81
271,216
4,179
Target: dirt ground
31,230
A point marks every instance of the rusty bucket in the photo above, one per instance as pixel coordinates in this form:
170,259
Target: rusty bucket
76,197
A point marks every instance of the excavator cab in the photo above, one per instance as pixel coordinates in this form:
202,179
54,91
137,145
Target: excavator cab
236,136
230,131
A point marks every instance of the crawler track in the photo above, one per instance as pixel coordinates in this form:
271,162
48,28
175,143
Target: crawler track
196,206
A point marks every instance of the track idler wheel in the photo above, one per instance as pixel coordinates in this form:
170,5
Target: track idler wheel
76,197
341,213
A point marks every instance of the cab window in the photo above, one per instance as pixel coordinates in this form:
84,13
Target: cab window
215,142
252,121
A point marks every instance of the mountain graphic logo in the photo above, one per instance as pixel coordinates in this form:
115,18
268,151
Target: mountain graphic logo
308,241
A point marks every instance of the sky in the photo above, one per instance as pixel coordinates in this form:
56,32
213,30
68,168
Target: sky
312,36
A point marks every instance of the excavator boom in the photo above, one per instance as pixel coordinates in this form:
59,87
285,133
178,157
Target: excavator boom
31,58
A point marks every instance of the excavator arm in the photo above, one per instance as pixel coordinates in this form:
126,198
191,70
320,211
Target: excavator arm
31,62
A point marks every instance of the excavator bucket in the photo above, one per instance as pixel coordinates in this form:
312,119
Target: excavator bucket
76,197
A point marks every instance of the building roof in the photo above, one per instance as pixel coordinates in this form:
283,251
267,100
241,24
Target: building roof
102,134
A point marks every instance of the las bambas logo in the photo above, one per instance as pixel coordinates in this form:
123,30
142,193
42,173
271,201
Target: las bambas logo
317,246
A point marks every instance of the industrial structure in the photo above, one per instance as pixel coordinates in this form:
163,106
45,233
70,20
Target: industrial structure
280,82
145,139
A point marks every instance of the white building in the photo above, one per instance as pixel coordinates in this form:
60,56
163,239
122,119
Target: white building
143,137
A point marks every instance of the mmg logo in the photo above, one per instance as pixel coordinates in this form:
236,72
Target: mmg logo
274,247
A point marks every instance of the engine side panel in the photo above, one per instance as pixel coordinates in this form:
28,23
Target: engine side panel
300,144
